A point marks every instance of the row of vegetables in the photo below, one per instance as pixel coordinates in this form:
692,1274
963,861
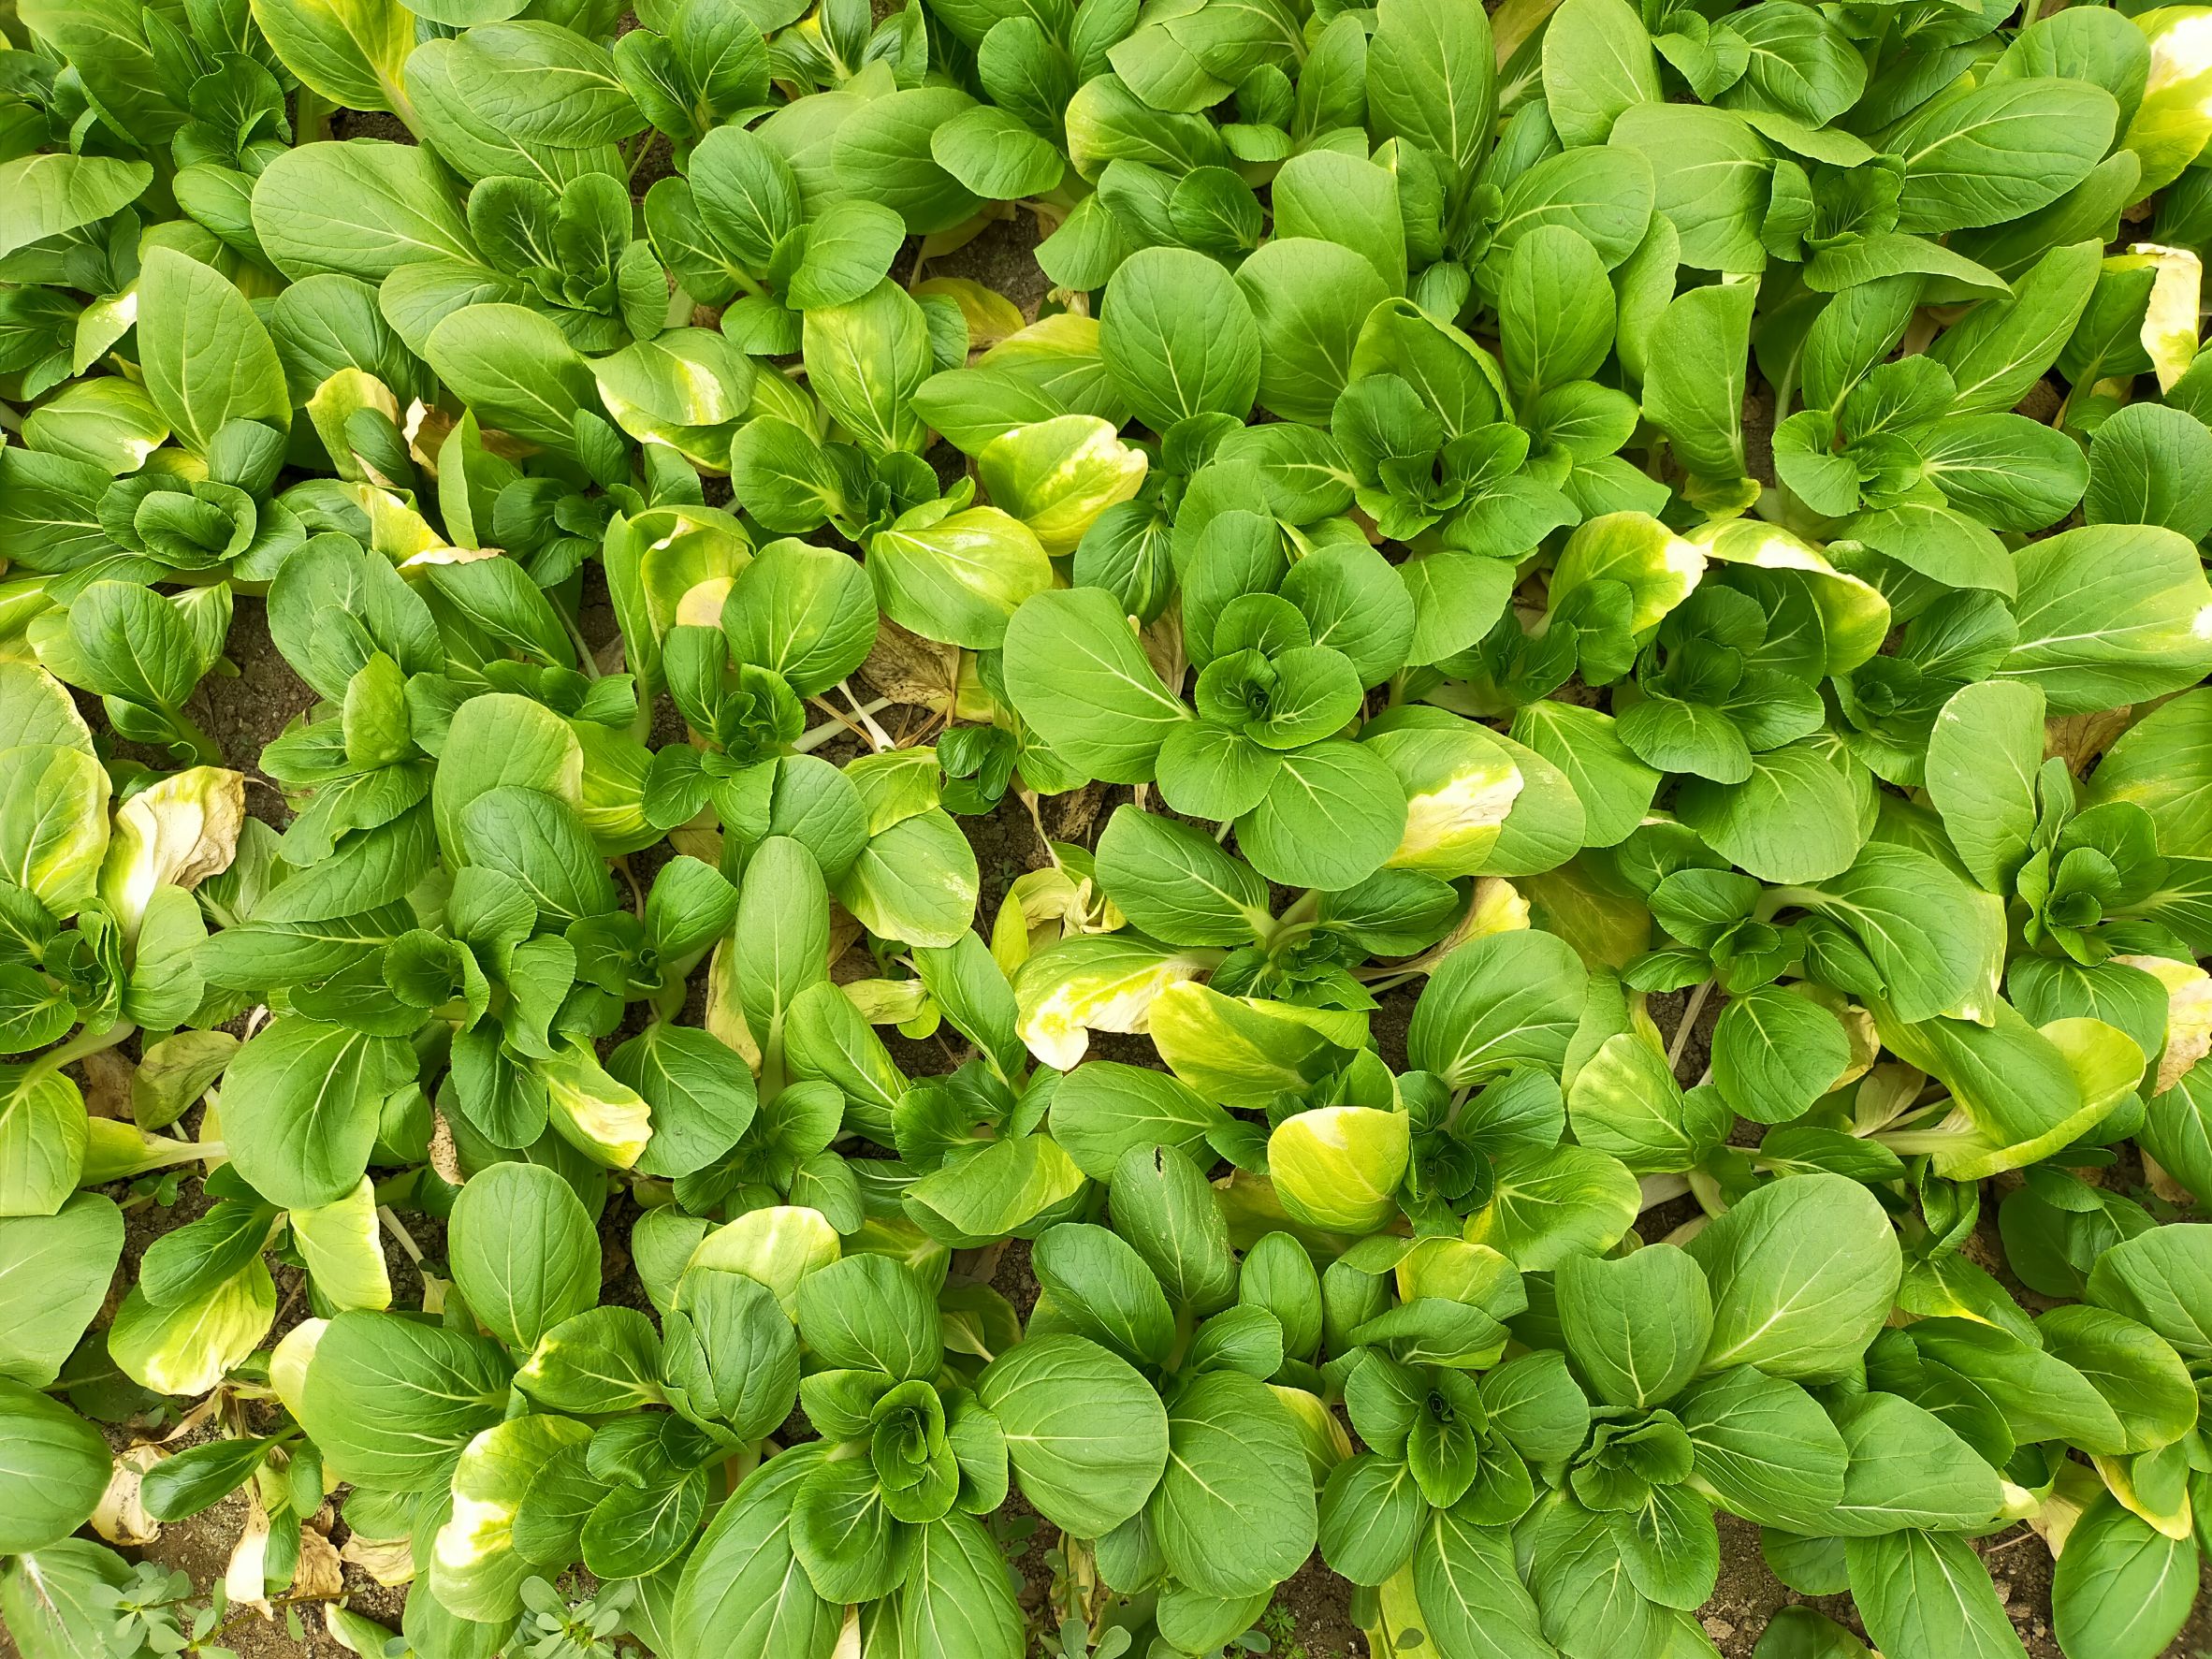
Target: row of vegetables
1496,519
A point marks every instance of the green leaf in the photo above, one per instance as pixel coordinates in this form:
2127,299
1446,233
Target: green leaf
524,1252
884,149
44,1132
999,1190
1764,1449
1710,169
701,1094
804,612
1102,1286
1581,1582
1908,1470
869,1313
2004,345
1801,816
850,247
1179,339
1552,1202
1597,64
1927,1595
1803,1271
207,358
1309,299
364,208
498,740
1330,816
391,1401
57,1601
537,84
53,1275
1103,1108
960,578
1176,884
915,882
53,1469
1079,676
1637,1327
1087,1434
1694,383
2121,1588
1162,1206
956,1603
133,644
993,154
2111,614
1986,154
2160,763
1982,759
1431,80
538,842
865,359
1625,1102
1775,1053
1372,1516
1468,1592
49,195
301,1107
1507,999
2162,1277
1556,310
742,1589
201,1477
516,369
2150,465
1234,1513
1886,898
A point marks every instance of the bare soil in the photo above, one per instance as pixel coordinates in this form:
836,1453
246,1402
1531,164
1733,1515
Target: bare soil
1003,258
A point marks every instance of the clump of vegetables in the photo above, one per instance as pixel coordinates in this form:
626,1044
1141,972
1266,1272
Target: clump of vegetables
1589,622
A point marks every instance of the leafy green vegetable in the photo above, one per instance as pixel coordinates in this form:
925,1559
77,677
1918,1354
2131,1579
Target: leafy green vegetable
1510,782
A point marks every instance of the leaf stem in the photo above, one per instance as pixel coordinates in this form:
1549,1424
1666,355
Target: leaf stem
575,628
876,735
1690,1009
205,750
82,1045
838,725
400,1236
1028,799
1389,981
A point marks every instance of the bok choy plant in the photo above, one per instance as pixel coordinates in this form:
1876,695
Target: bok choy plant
939,833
